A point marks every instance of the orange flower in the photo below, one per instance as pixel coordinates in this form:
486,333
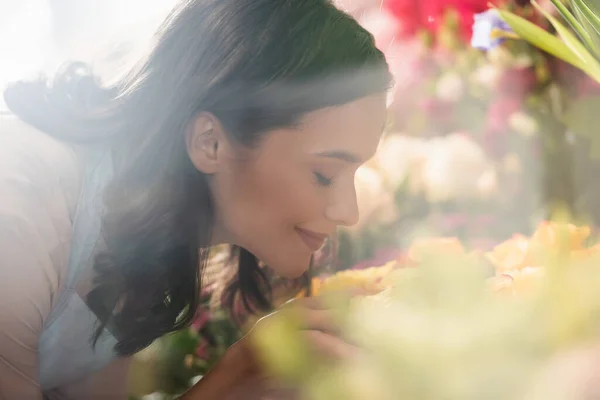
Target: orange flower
583,254
502,283
518,281
368,281
511,255
548,234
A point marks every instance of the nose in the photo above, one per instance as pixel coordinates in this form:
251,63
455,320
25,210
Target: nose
343,210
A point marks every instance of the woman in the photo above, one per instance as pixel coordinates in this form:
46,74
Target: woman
245,125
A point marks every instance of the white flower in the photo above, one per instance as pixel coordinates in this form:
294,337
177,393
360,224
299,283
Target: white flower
484,26
154,396
523,123
382,25
487,76
487,184
374,200
456,168
450,87
397,155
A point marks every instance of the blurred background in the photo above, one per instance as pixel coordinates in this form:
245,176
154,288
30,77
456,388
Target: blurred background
479,145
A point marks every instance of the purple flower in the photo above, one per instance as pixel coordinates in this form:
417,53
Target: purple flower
487,30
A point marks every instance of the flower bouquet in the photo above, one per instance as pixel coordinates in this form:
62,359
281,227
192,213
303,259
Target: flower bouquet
449,324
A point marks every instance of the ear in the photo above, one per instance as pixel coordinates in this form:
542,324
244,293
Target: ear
206,142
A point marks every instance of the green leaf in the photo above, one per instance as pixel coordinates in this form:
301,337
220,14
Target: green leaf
588,62
575,24
588,17
583,120
540,38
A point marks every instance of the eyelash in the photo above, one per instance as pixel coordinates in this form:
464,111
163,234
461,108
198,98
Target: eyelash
323,180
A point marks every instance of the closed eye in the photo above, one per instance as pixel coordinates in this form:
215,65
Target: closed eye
323,180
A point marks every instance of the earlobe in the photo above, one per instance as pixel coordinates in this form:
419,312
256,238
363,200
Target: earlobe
202,141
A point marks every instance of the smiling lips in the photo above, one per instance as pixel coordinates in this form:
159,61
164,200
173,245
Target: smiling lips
313,240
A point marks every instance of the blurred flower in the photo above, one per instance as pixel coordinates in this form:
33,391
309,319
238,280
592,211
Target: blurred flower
523,123
517,82
522,252
511,254
203,316
413,17
450,87
488,29
501,283
551,235
518,281
369,280
439,110
496,132
429,15
375,203
501,57
398,155
453,168
453,222
487,184
202,351
382,25
412,66
487,76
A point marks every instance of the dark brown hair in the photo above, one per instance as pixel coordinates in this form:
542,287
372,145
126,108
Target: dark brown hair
256,65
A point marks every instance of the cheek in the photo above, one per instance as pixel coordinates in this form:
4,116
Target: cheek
272,196
260,206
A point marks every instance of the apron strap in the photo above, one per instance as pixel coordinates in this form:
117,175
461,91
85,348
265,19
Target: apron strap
65,348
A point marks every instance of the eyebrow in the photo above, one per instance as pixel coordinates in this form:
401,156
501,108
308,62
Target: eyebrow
340,155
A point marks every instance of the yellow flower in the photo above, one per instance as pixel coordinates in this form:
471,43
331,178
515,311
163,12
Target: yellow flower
511,255
549,234
368,281
521,252
518,281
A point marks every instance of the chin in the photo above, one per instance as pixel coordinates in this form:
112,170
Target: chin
291,269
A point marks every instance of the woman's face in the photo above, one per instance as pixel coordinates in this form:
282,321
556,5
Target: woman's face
282,199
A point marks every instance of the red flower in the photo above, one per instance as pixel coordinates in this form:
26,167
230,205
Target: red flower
413,16
429,14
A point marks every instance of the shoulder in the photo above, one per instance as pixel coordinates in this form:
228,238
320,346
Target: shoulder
35,164
28,152
40,180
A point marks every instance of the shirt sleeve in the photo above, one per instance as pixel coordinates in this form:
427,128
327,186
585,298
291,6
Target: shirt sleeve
37,196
